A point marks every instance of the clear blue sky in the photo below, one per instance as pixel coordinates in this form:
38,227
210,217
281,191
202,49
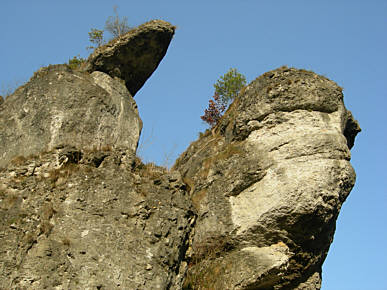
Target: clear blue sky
343,40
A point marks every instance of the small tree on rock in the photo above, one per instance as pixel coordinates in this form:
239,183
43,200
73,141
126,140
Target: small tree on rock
117,26
229,85
214,112
226,90
96,38
114,25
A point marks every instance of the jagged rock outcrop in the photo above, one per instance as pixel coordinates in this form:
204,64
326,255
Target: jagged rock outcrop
268,184
134,56
78,209
72,219
252,204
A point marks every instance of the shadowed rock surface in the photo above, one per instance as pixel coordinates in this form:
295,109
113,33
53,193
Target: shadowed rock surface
134,56
251,204
268,184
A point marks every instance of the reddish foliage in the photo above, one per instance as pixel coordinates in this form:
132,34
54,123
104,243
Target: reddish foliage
214,111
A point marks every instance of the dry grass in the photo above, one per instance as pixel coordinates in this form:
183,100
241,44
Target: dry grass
205,133
149,170
66,241
56,176
29,238
152,171
45,228
226,153
18,160
210,247
190,184
198,197
48,211
94,149
205,268
10,200
242,90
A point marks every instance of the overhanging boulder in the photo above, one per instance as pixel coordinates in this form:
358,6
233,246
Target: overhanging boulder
134,56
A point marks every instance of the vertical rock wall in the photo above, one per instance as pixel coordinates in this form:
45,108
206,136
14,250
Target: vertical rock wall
268,183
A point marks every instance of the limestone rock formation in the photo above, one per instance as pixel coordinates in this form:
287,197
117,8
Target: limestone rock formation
59,106
72,219
92,108
268,184
251,204
134,56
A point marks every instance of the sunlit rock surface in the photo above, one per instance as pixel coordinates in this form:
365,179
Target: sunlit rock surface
268,184
59,106
251,204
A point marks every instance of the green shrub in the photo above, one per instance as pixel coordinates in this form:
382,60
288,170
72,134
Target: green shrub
96,38
76,62
114,25
227,89
229,85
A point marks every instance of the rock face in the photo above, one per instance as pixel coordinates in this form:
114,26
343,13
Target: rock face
75,219
268,184
134,56
86,109
252,204
59,106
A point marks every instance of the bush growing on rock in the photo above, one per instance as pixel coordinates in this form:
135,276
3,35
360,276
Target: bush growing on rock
117,26
226,90
214,111
229,85
95,37
114,25
75,62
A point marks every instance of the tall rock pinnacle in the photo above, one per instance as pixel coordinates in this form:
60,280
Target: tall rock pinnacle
268,184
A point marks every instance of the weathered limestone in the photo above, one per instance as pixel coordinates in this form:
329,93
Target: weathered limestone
252,204
97,219
134,56
269,183
59,106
